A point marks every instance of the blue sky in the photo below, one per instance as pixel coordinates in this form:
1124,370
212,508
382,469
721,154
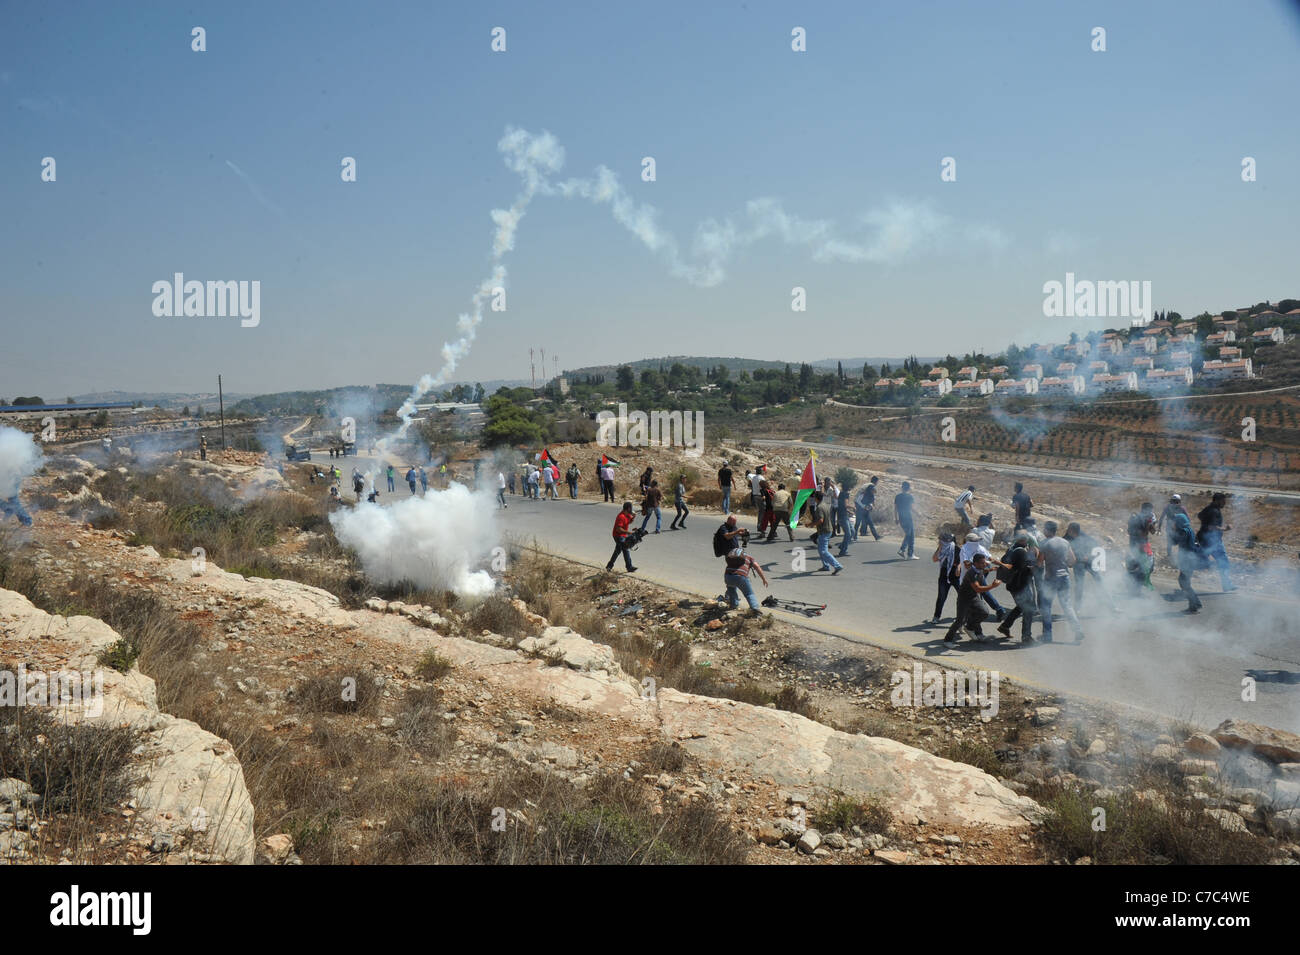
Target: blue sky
1117,165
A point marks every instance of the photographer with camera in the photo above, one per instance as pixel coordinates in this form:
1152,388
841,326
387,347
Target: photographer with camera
623,538
728,536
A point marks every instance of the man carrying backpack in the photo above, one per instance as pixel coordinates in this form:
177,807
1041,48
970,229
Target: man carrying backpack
727,536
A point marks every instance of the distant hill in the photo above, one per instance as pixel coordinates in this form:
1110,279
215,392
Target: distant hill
166,399
733,364
857,363
348,399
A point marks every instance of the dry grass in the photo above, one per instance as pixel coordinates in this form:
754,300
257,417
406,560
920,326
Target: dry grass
842,813
1167,827
344,690
524,817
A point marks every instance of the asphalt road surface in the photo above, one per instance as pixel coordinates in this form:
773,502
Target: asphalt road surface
1149,654
1026,470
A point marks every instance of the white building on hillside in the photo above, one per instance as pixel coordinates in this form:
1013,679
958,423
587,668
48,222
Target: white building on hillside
1167,379
1269,336
1012,386
1227,370
968,373
1064,387
1225,337
1127,381
937,387
967,389
938,372
1098,368
1032,371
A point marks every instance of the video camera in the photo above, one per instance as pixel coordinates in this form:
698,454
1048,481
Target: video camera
635,537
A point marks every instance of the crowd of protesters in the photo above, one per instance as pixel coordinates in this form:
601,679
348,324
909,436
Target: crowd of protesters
1042,571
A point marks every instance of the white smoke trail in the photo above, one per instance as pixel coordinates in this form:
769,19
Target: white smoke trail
899,229
429,539
20,457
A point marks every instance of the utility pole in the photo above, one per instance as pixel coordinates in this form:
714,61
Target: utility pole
532,369
221,409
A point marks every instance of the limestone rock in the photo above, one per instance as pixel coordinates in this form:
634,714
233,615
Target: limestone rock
891,856
809,841
1045,715
191,779
796,752
1276,745
1229,820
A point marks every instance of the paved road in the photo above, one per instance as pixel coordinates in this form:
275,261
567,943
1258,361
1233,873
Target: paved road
1051,474
1152,656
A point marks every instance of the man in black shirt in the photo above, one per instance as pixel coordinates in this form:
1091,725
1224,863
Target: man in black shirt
1018,573
1210,537
1023,506
725,483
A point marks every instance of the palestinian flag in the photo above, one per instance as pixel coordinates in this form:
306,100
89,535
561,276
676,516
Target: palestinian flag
607,461
545,457
807,484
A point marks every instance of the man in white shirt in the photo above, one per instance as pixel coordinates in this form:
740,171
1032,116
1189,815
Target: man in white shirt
501,489
964,507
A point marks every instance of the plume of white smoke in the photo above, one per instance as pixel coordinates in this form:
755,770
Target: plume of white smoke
407,541
20,457
436,540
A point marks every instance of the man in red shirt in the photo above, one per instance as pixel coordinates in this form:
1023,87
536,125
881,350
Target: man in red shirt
621,524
